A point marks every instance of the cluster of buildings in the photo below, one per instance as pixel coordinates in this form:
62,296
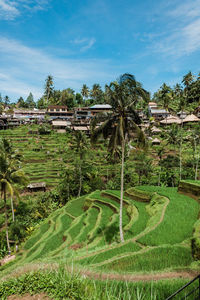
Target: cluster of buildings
79,118
58,116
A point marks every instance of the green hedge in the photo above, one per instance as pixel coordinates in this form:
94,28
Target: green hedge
139,195
195,242
192,187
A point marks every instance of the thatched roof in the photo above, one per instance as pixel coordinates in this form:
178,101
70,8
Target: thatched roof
59,123
171,120
156,141
156,129
153,104
191,118
81,128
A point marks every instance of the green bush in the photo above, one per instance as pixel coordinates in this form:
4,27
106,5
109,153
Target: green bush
139,195
195,242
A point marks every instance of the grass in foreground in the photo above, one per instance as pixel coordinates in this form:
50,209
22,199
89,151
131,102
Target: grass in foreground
63,285
154,259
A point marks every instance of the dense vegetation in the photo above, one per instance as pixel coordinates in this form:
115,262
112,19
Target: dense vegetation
182,96
85,232
77,220
61,285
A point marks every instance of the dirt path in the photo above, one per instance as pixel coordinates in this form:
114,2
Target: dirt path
86,273
139,277
29,297
6,259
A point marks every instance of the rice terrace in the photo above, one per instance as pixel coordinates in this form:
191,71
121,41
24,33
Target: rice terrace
100,197
158,224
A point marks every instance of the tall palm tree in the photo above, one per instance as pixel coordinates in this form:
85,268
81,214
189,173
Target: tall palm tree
10,174
164,96
122,122
49,88
85,91
96,92
79,145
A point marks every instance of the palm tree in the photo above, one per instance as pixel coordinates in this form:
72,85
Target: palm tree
10,174
188,79
85,91
49,88
96,92
80,145
164,96
122,122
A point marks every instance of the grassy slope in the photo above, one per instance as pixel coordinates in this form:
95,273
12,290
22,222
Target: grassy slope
95,237
41,153
178,223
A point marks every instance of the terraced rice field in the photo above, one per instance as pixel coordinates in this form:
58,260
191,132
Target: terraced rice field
85,231
41,154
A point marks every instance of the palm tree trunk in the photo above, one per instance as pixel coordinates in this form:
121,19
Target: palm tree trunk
122,194
180,153
196,169
195,148
6,220
180,161
13,214
159,177
80,181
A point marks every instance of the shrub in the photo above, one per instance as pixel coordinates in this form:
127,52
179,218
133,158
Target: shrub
195,242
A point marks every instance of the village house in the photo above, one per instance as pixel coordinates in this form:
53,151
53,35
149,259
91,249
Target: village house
59,111
82,113
29,114
99,108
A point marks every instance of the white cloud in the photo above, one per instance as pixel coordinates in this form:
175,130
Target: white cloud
27,69
84,43
182,35
9,9
88,45
187,10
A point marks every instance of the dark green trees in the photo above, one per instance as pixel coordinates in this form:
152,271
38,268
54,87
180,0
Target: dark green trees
11,175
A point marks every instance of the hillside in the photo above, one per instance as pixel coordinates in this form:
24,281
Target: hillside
84,236
157,233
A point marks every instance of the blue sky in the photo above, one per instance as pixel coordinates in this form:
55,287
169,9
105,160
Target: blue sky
94,41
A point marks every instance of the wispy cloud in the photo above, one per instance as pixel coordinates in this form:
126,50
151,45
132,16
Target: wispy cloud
28,68
186,9
9,9
84,43
182,35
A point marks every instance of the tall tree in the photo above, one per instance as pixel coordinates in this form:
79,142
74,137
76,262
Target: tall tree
96,93
122,122
6,100
187,81
30,101
79,145
164,96
10,174
21,102
67,98
85,92
79,99
49,88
